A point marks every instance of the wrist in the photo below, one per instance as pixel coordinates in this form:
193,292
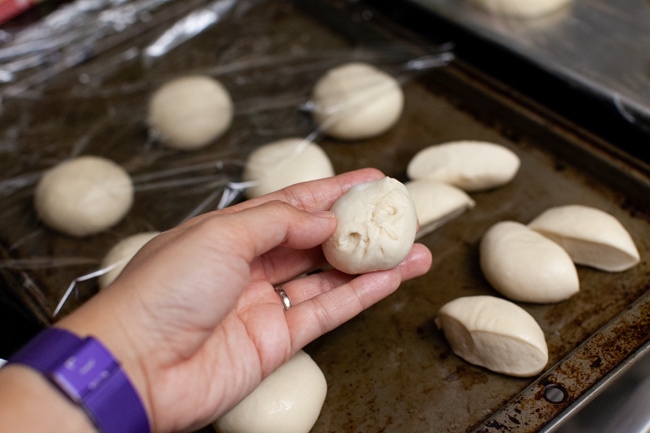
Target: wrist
29,403
90,320
85,372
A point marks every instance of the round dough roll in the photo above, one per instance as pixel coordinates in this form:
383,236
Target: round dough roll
357,101
525,266
592,237
522,8
289,400
283,163
121,253
494,333
469,165
190,112
376,227
83,196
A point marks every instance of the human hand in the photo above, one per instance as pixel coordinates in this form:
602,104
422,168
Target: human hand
194,318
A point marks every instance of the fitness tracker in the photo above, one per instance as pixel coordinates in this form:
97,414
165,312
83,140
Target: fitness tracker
88,374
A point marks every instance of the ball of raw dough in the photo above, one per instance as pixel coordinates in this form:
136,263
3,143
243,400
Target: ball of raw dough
357,101
469,165
376,227
525,266
190,112
437,203
289,400
283,163
592,237
120,254
495,334
83,196
522,8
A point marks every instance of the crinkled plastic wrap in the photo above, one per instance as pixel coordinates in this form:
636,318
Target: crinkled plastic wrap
599,46
79,83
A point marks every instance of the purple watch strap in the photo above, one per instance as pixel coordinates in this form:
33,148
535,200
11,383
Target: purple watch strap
86,372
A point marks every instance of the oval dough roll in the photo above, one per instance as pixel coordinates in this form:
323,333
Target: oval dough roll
494,333
469,165
592,237
522,8
437,203
289,400
525,266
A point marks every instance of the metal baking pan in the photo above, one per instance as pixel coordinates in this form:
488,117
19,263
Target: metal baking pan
389,369
598,47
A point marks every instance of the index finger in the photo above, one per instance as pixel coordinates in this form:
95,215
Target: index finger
314,195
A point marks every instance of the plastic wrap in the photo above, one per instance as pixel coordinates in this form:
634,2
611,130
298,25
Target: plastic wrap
69,92
595,45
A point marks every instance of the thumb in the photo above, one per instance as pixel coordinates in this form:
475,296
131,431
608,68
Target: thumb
257,230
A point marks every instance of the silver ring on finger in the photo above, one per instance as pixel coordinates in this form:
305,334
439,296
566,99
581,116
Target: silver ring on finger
286,302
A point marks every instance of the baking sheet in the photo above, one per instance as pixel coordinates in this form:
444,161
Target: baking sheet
599,47
389,369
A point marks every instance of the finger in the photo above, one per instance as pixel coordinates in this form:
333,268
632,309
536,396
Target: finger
284,264
309,196
314,195
309,286
255,231
314,317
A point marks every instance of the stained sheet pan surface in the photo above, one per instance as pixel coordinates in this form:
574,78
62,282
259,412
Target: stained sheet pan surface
390,369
